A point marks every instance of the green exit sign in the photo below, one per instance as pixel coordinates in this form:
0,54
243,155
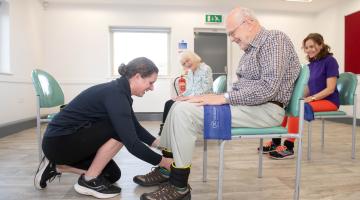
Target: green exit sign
213,18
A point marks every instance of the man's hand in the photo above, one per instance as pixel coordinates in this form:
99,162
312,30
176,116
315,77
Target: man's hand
180,98
208,99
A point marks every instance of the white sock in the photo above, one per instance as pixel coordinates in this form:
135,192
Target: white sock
88,178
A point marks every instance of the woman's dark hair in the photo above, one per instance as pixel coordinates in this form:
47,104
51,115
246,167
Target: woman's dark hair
144,66
318,39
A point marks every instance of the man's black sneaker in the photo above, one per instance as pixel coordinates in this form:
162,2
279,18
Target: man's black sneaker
98,187
45,172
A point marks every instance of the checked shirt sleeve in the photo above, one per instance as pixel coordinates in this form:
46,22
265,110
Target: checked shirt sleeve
264,72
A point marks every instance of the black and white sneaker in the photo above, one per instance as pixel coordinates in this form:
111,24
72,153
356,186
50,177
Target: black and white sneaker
45,172
98,187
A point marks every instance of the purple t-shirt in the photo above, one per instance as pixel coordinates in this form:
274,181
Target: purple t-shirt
320,70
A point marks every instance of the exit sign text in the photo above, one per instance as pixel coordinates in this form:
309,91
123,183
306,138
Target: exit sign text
213,18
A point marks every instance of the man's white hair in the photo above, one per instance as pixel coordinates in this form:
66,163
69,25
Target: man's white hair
245,13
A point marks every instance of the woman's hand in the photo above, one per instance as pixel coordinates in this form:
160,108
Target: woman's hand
310,99
180,98
166,163
156,143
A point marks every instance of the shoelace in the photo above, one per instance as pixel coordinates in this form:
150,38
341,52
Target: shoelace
57,174
54,173
154,173
281,148
167,191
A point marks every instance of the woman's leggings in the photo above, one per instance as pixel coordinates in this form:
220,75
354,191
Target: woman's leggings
79,149
167,107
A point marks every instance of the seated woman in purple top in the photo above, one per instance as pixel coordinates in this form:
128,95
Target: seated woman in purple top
321,92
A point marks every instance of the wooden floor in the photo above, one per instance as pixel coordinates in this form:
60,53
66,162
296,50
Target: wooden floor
331,175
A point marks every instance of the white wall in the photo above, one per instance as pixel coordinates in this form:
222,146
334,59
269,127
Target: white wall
330,23
77,41
17,93
4,37
71,41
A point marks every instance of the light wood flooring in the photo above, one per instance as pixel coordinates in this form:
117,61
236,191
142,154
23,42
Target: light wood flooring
331,175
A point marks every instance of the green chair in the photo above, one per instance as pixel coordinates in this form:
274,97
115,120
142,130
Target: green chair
346,85
219,85
295,108
48,95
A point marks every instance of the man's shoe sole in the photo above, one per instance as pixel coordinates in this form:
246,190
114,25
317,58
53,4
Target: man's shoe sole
39,173
266,152
283,158
86,191
186,197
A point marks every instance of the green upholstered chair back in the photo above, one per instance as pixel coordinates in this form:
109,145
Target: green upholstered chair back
219,85
47,88
346,85
298,92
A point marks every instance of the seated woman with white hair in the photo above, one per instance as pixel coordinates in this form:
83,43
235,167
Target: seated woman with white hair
199,80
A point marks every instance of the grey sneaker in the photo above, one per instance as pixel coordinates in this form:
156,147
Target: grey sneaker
168,192
98,187
155,177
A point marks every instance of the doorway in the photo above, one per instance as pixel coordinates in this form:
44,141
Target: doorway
212,47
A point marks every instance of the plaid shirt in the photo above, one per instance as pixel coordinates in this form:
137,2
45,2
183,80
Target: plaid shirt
267,71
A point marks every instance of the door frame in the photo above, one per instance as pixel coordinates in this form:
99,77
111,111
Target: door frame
228,46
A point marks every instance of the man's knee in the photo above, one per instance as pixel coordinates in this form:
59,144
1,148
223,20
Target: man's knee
182,108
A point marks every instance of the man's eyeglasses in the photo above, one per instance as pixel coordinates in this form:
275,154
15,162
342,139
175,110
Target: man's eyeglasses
231,33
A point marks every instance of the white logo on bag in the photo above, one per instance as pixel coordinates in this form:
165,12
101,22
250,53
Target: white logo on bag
215,120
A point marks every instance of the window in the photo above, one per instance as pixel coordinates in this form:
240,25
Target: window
129,43
4,37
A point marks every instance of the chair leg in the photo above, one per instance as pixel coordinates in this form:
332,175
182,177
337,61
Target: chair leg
260,174
354,130
221,170
38,133
322,133
298,170
309,141
38,128
205,161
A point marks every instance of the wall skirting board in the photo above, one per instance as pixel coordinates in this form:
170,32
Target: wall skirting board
149,116
17,126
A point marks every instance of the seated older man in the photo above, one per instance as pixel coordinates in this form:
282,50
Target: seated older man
266,75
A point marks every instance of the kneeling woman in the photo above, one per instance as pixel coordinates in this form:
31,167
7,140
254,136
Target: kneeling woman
85,136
